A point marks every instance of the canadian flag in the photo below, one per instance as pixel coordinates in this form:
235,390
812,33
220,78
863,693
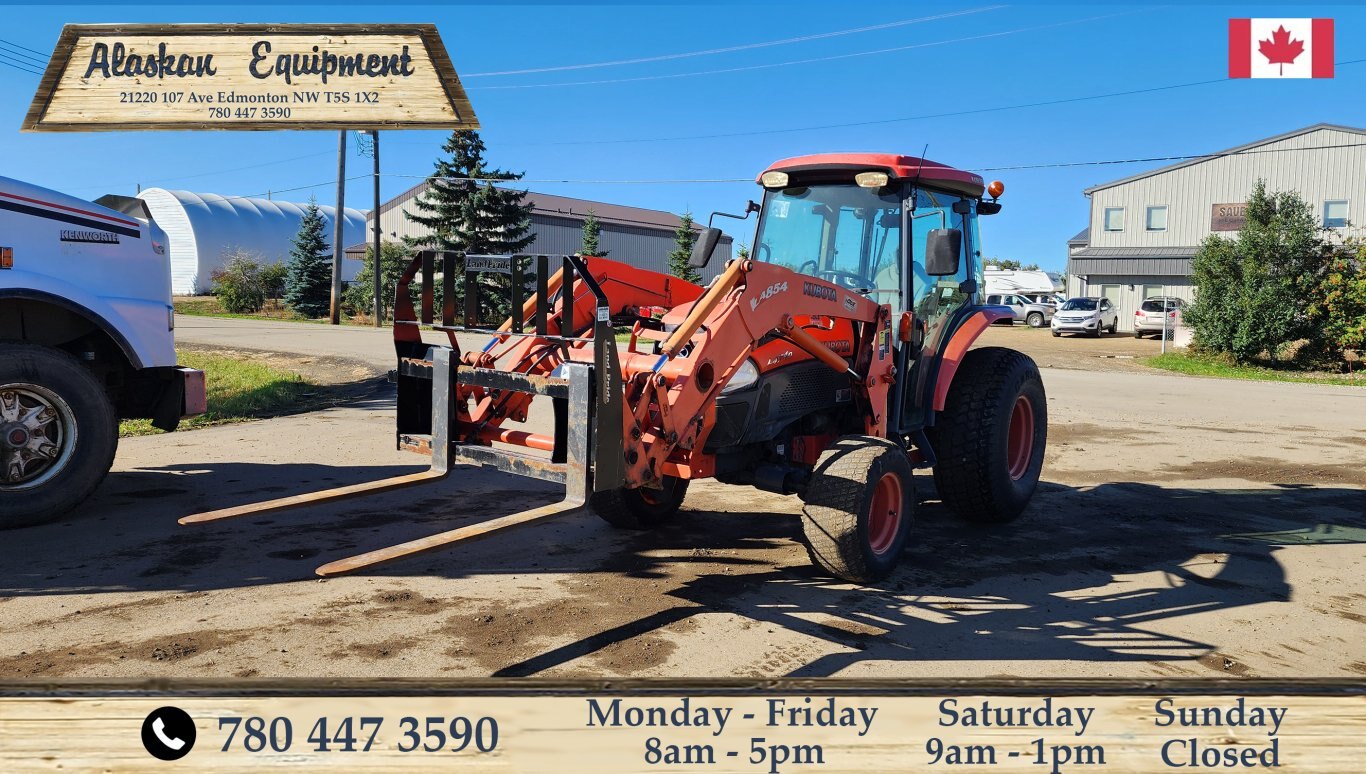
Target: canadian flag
1280,48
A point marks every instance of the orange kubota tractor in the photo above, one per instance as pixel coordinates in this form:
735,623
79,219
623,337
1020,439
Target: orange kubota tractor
829,364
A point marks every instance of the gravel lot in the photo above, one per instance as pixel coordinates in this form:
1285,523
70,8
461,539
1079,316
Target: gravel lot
1185,527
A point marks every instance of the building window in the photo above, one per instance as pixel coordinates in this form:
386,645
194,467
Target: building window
1335,214
1114,218
1157,218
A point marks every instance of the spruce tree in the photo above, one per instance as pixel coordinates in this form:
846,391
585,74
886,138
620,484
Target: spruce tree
464,212
684,238
592,232
308,285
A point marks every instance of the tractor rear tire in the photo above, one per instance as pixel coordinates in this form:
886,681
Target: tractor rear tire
859,508
640,508
989,440
50,402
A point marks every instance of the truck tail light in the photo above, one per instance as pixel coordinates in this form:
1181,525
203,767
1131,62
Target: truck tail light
6,257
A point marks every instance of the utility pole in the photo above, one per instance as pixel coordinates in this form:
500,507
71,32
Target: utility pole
338,224
376,267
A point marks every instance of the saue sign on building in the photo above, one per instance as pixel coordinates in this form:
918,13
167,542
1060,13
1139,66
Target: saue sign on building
1228,217
249,77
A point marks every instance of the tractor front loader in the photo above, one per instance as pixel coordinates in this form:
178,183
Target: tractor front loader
829,365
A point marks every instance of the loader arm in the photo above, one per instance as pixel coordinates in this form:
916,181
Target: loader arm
671,395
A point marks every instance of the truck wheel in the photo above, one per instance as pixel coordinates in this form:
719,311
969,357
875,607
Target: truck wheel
1035,319
58,434
990,437
859,508
640,508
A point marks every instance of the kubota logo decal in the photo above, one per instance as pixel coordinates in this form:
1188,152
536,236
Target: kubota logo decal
769,292
818,291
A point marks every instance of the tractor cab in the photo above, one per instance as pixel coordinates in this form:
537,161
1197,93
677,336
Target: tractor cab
870,223
899,230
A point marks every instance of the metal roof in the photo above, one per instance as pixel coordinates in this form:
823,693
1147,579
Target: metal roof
1083,237
564,206
1135,252
1222,153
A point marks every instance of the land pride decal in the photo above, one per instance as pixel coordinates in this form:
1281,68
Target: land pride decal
249,77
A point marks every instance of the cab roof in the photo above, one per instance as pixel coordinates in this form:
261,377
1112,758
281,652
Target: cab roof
835,166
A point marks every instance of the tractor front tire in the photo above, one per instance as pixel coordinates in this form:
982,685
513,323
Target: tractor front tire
859,508
989,440
640,508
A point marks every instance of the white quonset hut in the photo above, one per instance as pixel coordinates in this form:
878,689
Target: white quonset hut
204,228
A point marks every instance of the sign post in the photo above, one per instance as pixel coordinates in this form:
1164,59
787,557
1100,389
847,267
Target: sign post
338,231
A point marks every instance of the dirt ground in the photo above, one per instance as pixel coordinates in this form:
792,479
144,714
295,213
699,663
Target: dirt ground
1110,352
1185,527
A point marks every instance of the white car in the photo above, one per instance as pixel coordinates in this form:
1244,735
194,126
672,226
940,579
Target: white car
1089,315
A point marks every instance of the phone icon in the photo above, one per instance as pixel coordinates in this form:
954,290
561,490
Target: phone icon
159,728
168,733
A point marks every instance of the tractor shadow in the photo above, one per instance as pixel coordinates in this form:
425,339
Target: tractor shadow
1086,575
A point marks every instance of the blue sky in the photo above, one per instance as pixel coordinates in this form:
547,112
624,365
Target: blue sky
1031,54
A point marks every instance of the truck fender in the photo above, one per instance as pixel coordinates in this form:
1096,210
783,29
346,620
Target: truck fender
101,314
958,346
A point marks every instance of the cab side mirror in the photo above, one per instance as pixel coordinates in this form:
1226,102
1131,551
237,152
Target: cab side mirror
704,246
943,248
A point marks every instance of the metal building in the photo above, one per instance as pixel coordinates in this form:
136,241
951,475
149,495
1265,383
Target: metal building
203,228
629,234
1145,229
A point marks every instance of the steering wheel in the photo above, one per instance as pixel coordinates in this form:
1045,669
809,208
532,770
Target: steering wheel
812,263
846,279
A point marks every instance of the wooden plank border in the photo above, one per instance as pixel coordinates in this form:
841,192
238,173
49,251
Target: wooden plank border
428,33
523,686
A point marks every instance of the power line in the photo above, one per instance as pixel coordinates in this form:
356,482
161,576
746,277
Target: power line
212,173
25,48
901,119
730,49
833,57
12,50
20,66
1055,165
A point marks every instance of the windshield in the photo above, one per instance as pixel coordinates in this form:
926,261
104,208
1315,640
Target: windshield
848,235
1080,305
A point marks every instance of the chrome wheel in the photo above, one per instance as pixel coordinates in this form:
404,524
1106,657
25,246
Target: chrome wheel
37,435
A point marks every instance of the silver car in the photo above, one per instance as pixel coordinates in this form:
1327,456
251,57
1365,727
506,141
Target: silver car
1148,315
1035,314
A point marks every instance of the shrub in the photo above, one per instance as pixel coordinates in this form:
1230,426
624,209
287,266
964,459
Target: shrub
273,277
360,294
238,284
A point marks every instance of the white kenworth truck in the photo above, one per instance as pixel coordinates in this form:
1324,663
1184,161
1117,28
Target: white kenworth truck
86,339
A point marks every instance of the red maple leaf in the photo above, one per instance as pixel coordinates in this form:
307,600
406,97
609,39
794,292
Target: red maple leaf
1281,49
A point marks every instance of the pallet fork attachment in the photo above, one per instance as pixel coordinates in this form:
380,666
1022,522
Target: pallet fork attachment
585,452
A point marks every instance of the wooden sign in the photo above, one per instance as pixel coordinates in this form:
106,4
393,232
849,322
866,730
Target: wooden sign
252,77
1228,217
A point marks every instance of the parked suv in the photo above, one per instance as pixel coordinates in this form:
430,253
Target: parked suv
1023,309
1089,315
1148,316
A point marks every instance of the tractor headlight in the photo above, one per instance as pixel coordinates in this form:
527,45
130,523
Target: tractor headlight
746,376
773,179
871,179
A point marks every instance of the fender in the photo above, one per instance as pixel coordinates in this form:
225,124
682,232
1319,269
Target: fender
99,313
958,346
